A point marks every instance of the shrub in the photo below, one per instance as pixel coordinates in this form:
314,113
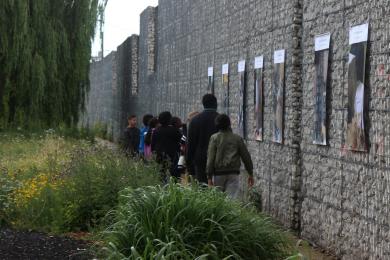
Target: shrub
49,183
176,222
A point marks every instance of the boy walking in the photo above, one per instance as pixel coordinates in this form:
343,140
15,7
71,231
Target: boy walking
225,152
131,137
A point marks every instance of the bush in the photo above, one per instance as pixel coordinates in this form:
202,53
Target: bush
58,185
101,130
176,222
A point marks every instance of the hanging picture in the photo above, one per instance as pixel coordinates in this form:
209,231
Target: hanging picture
241,101
210,75
321,60
258,100
356,138
278,96
225,88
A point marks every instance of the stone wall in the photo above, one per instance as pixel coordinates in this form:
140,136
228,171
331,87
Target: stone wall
99,108
114,86
193,35
345,194
337,199
127,81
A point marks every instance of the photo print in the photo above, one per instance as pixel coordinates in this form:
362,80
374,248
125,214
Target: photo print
210,85
258,100
225,88
241,101
278,96
321,61
356,138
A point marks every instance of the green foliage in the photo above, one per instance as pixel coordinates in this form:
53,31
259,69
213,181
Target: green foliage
101,130
176,222
50,183
45,50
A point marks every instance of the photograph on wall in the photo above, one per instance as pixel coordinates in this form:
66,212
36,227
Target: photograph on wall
356,138
241,102
225,89
259,103
278,97
321,61
210,85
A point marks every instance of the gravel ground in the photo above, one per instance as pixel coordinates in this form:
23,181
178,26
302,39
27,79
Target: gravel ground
34,245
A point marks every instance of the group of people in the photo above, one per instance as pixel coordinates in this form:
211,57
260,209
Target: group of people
207,149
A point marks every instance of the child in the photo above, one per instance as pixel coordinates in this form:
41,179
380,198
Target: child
144,130
131,137
152,125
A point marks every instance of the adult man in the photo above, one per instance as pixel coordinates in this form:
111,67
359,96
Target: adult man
200,130
131,137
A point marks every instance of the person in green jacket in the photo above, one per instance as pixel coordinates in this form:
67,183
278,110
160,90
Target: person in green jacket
224,155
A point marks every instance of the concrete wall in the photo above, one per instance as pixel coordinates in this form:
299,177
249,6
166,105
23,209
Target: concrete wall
337,199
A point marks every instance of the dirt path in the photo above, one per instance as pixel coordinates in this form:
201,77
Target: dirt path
34,245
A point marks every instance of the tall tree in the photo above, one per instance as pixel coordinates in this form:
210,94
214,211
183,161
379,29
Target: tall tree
45,48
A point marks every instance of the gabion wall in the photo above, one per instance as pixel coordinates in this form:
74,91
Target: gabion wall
336,198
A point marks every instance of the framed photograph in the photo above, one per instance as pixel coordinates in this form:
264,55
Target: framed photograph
356,136
258,99
242,94
210,76
321,61
225,88
278,97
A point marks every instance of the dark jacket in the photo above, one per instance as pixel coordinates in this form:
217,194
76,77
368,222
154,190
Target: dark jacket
131,140
166,142
225,152
201,128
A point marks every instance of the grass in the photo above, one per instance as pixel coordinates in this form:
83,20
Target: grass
59,183
176,222
62,181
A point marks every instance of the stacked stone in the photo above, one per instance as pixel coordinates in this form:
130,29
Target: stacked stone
336,198
99,108
346,194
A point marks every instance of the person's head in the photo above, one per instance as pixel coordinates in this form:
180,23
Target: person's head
164,118
153,122
209,101
222,122
146,119
132,120
176,122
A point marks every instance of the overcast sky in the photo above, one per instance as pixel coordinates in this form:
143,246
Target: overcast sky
121,21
